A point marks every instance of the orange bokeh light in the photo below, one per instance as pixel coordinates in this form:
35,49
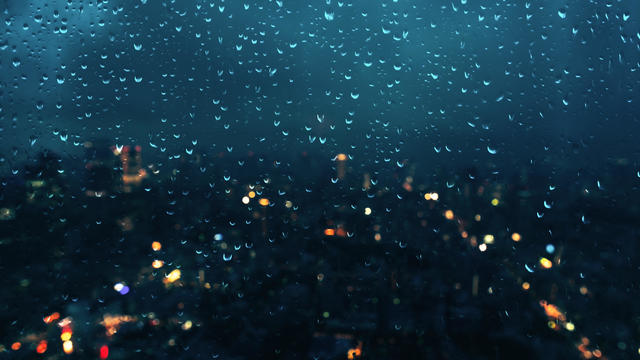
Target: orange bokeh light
42,347
66,334
355,352
67,346
448,214
552,311
51,318
546,263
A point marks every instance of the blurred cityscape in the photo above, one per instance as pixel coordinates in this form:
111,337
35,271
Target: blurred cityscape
112,257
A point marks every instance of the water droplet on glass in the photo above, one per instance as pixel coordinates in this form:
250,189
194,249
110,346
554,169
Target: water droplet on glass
562,13
329,15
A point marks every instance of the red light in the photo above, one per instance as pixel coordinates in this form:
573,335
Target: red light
52,317
104,352
42,347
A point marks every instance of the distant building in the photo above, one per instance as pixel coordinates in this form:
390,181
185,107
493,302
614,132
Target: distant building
131,162
42,179
112,168
101,168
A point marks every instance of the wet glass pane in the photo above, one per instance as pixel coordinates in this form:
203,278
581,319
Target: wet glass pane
326,179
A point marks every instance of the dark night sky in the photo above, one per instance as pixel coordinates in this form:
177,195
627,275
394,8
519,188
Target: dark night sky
464,76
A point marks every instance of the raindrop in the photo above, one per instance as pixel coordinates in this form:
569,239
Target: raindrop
329,15
562,13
